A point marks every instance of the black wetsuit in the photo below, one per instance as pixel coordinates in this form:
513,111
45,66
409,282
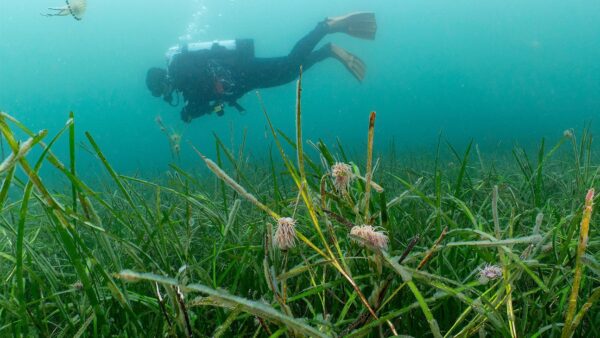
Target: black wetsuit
208,78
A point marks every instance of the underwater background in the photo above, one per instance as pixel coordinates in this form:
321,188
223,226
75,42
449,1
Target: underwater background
498,72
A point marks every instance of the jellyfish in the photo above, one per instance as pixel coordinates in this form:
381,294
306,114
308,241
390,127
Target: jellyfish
75,8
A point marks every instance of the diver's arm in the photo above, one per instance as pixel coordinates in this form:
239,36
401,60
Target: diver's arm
194,109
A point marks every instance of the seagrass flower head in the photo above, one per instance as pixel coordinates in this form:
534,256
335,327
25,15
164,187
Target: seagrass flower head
285,235
489,272
342,175
568,133
370,236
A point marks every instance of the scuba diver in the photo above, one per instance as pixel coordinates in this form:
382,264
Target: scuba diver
211,74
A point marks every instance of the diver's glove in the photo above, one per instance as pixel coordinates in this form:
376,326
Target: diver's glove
191,111
219,109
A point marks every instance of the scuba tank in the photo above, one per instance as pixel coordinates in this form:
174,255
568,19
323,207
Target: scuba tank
238,49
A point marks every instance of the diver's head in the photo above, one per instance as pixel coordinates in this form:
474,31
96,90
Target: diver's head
157,82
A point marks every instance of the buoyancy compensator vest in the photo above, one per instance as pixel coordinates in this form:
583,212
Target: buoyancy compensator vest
219,55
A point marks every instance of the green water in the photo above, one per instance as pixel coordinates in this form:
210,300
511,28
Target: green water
498,72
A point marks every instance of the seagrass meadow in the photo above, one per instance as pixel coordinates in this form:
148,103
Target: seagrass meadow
319,241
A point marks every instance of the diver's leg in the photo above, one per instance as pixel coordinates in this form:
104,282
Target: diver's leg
361,25
272,72
306,45
276,71
352,62
269,72
317,56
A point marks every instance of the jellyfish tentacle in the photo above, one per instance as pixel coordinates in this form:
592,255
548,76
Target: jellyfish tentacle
60,11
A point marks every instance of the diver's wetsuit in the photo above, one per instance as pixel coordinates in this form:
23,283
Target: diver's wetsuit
208,78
